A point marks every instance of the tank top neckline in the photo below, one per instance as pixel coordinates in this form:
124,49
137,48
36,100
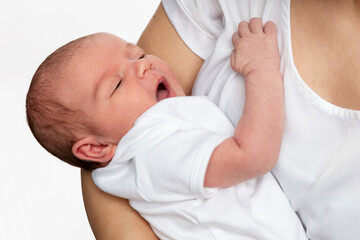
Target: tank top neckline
301,85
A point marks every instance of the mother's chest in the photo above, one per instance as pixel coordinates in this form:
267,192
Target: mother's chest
326,51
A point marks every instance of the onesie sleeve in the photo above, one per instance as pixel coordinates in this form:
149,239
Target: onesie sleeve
174,170
198,23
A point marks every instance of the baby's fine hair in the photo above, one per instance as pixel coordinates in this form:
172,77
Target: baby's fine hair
54,125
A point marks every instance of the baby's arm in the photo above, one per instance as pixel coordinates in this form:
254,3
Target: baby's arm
254,149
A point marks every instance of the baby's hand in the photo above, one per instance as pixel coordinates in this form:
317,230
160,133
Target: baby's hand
256,47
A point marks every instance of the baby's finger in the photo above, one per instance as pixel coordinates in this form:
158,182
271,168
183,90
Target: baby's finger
233,61
256,25
236,61
243,28
235,39
270,28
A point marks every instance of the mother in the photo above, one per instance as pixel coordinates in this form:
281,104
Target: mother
320,49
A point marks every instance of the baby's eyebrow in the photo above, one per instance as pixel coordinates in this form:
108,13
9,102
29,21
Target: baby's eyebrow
98,84
131,46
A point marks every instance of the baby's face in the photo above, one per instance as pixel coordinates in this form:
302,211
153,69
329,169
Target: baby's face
114,82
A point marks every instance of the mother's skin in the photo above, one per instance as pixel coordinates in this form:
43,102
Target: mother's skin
328,28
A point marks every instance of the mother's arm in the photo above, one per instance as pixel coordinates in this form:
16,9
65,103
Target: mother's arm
111,218
161,39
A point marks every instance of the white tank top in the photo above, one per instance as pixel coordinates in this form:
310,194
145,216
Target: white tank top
319,163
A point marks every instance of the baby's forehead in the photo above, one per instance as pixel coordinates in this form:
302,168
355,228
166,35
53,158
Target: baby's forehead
107,38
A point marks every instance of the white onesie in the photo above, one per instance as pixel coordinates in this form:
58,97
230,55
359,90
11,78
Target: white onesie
319,163
160,166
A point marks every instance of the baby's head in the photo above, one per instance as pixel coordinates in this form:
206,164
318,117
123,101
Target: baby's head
86,95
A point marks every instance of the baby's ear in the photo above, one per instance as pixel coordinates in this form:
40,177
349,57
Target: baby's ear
89,148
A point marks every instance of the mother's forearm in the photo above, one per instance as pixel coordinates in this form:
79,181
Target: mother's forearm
110,217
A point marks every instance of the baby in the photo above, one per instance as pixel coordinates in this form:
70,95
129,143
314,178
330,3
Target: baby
100,103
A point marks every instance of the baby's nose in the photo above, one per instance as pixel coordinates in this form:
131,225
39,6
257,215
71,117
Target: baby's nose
142,65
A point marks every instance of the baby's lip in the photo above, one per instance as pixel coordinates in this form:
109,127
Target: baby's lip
163,89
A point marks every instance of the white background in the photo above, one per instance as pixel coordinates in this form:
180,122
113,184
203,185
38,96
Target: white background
40,197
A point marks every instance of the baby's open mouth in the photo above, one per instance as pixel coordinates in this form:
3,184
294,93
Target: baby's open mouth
162,90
